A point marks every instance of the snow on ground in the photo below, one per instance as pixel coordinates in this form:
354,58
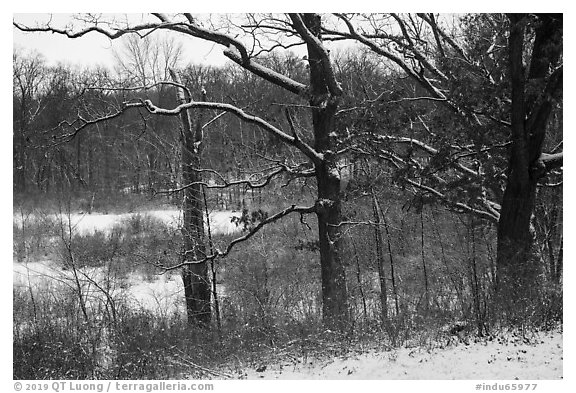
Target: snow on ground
220,221
83,224
164,294
161,294
35,273
482,360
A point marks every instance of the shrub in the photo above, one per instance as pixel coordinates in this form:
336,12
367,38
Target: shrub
33,234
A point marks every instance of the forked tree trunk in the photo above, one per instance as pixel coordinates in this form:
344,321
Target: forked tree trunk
329,204
532,96
195,275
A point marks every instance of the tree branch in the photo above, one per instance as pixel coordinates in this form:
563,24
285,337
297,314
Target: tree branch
547,162
235,50
492,215
113,34
426,148
445,36
299,144
225,183
252,232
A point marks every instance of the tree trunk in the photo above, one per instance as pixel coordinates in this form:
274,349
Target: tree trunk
380,257
424,268
151,164
195,275
532,95
517,270
514,274
20,165
329,213
20,149
78,168
90,170
329,205
392,275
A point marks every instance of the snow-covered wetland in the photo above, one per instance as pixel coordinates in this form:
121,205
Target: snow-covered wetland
156,293
82,223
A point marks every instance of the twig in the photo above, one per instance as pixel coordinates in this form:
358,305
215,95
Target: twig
187,362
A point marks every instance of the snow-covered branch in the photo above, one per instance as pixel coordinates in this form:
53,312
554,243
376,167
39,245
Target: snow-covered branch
233,48
262,182
237,52
111,34
291,140
222,253
548,162
426,148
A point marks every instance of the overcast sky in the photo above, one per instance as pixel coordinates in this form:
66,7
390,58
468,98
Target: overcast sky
95,49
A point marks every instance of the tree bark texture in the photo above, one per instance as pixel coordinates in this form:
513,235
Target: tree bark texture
329,206
532,100
194,275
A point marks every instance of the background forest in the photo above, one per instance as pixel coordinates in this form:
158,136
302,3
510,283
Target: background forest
404,189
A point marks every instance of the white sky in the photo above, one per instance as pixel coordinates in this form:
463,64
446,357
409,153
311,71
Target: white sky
94,48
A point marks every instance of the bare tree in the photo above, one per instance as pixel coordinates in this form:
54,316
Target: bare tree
429,53
147,61
322,93
536,75
491,170
194,275
28,73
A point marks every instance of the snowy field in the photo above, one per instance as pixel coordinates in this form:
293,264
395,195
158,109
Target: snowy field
83,224
161,294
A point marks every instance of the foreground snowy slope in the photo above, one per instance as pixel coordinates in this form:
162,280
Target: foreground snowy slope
509,359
